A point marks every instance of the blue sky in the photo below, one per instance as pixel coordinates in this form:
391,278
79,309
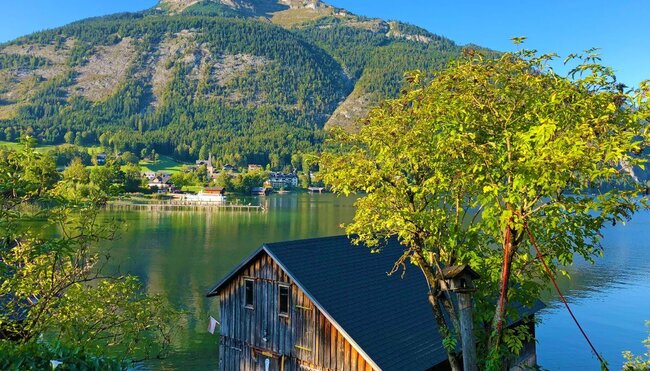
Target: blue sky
618,27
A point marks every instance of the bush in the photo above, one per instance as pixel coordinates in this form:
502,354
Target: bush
38,355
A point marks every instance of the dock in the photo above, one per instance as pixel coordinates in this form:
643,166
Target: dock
181,205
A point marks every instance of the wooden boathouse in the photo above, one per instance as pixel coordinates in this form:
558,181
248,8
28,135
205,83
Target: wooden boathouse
325,304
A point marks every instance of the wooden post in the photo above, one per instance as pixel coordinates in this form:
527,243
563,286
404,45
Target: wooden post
459,279
467,331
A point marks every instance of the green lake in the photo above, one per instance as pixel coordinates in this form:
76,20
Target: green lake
181,254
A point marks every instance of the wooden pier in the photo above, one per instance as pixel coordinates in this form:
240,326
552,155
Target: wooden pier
181,205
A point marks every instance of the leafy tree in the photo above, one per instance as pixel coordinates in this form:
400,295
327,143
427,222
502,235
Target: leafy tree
202,174
76,172
108,178
132,177
296,161
64,154
130,158
104,139
183,179
69,137
244,183
304,181
9,134
55,297
203,152
274,160
464,167
225,181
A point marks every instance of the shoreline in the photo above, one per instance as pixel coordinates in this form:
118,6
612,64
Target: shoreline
180,205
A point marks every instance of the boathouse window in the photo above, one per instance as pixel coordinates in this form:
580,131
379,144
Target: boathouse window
283,309
248,297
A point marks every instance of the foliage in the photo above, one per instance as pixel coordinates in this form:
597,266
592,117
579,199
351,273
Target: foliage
130,158
278,105
110,178
39,354
76,172
15,61
462,166
224,180
64,154
132,177
244,183
183,179
53,282
638,363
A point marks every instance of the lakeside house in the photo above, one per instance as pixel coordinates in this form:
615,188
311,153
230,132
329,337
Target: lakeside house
324,304
161,181
283,180
208,194
255,167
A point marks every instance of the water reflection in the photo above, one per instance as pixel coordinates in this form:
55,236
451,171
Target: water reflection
611,299
180,254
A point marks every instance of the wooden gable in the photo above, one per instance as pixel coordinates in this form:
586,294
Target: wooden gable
251,338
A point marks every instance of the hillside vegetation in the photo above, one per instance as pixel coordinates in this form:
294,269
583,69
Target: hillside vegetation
244,80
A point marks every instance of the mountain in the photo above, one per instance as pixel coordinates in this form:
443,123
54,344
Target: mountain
243,79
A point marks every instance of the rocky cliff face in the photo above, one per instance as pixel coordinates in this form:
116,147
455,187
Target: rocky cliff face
259,7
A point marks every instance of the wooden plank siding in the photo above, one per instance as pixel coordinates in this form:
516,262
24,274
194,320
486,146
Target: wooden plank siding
305,340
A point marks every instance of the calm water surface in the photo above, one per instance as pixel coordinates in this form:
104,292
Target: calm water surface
181,254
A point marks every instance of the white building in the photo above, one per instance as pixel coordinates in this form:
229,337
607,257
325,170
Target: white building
282,180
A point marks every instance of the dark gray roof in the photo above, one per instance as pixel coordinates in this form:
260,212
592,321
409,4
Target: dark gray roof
387,318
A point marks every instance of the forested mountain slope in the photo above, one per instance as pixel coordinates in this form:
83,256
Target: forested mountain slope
243,79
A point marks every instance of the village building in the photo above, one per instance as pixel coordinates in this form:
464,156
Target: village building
325,304
101,158
228,167
255,167
283,180
214,191
149,175
208,194
160,181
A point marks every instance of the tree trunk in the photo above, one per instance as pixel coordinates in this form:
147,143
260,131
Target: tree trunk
509,249
453,357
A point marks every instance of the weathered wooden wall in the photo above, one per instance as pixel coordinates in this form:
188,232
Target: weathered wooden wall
305,340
